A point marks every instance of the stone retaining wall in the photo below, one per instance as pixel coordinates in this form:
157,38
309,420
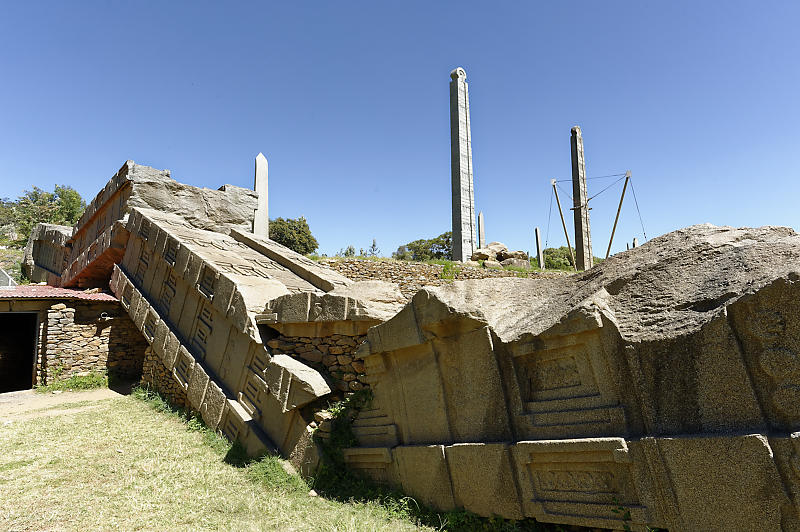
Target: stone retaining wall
331,355
85,337
156,375
412,276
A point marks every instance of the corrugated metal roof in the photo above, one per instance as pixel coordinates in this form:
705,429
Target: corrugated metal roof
39,291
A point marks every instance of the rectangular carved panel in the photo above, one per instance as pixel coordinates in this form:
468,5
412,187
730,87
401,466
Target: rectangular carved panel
578,482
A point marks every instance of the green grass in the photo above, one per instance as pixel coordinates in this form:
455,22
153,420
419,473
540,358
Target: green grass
135,463
138,463
76,382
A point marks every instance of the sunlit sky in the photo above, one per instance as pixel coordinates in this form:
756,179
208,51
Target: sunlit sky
349,102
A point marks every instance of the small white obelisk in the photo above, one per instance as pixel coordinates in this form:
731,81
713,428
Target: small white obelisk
261,186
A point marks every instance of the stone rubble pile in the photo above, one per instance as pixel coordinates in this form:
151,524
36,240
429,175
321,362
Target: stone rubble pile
497,255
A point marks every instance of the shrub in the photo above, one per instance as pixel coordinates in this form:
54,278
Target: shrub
294,234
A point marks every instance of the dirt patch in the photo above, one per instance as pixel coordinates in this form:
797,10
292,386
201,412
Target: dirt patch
27,404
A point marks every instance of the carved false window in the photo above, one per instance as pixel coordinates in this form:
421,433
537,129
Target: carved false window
208,278
141,267
168,290
204,326
171,251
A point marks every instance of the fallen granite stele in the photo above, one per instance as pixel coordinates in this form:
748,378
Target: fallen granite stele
664,382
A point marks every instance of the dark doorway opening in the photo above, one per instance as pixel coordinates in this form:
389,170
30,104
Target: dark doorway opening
17,350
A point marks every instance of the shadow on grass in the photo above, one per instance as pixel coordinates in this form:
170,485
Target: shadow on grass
333,480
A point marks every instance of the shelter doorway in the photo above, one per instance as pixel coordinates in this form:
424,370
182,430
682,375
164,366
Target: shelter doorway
17,350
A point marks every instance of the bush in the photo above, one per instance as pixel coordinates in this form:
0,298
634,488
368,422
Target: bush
294,234
558,259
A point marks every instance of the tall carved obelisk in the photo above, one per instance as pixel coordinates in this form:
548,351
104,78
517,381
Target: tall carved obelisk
464,234
261,186
583,239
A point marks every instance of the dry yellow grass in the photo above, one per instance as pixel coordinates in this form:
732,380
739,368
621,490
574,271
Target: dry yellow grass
124,466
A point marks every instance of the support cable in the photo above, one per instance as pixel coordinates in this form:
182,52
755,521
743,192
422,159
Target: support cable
609,186
549,214
565,192
590,178
637,210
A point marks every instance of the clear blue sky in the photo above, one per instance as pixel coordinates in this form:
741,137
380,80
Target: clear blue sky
349,102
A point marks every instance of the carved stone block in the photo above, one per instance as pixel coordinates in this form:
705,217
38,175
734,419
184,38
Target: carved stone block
424,474
483,480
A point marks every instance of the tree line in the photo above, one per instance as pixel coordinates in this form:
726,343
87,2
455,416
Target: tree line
63,206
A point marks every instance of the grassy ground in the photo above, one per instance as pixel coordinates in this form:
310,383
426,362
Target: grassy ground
76,382
126,466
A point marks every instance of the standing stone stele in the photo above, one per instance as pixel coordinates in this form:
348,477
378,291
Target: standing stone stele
481,231
539,250
464,234
261,186
635,242
583,239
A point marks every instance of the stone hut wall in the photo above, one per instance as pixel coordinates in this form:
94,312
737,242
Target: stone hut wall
77,338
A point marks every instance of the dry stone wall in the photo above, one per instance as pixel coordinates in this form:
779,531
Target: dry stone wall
333,356
158,377
86,337
413,276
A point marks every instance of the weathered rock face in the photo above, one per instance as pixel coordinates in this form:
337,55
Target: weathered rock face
665,380
213,210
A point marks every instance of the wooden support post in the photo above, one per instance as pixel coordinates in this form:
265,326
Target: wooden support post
564,225
622,197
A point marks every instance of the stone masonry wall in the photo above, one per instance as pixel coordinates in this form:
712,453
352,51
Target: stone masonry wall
412,276
156,375
332,356
78,338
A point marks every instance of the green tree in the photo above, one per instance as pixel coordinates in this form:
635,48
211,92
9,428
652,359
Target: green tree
374,250
402,253
70,205
440,247
349,252
63,206
294,234
6,212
